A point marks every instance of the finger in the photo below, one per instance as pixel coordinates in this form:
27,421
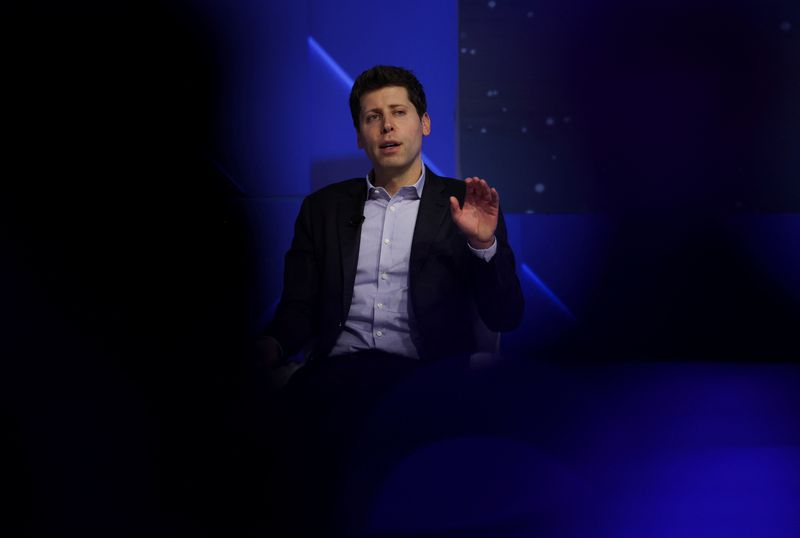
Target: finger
470,187
495,197
487,190
455,209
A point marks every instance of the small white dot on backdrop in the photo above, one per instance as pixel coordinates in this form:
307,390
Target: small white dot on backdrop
491,4
463,50
530,14
539,187
550,121
786,26
529,211
555,157
524,130
473,51
504,109
483,130
566,119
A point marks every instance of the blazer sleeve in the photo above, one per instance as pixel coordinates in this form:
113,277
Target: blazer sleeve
295,323
496,287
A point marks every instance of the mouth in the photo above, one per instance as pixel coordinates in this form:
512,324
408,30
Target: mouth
388,146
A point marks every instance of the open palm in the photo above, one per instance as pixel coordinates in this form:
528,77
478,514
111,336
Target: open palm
477,219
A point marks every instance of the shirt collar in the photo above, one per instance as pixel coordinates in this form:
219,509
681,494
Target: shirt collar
417,186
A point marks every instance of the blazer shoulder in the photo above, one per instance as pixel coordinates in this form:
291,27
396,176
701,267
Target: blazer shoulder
451,186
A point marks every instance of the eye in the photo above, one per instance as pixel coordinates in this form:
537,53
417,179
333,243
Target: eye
372,117
399,112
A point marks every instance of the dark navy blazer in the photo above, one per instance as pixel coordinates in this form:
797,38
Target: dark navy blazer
448,285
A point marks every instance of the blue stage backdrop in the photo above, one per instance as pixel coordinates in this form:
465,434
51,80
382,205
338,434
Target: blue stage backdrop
284,126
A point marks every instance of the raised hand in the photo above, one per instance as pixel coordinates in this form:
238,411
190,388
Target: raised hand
477,219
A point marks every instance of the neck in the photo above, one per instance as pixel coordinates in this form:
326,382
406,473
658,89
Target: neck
393,179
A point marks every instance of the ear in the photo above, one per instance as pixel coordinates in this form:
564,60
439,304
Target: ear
426,124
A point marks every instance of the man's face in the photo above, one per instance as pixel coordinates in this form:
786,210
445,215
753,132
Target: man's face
390,131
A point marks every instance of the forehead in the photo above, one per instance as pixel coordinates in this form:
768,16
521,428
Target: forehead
387,96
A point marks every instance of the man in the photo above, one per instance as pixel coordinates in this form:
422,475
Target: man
400,263
383,271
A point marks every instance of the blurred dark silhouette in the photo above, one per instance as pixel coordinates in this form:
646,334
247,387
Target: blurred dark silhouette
126,275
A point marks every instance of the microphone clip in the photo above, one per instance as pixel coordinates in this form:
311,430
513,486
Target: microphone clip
356,220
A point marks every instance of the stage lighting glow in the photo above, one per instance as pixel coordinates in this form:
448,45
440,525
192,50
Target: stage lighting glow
528,272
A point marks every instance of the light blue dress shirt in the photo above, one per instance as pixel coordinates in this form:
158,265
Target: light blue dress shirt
380,315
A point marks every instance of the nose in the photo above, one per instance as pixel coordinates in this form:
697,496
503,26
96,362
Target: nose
387,125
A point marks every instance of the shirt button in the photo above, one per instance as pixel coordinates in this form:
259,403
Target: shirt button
386,241
384,276
392,208
378,333
379,305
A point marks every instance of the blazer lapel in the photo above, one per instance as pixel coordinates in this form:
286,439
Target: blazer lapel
431,219
350,211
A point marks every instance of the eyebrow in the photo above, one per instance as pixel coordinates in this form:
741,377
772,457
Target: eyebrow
377,109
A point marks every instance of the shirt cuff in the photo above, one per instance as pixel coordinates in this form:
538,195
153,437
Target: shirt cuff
486,254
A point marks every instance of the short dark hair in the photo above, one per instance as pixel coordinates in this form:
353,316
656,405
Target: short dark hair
382,76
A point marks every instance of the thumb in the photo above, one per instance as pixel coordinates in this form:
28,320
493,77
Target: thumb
455,209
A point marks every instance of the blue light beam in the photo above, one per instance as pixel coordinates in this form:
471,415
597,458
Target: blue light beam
347,81
528,272
340,73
